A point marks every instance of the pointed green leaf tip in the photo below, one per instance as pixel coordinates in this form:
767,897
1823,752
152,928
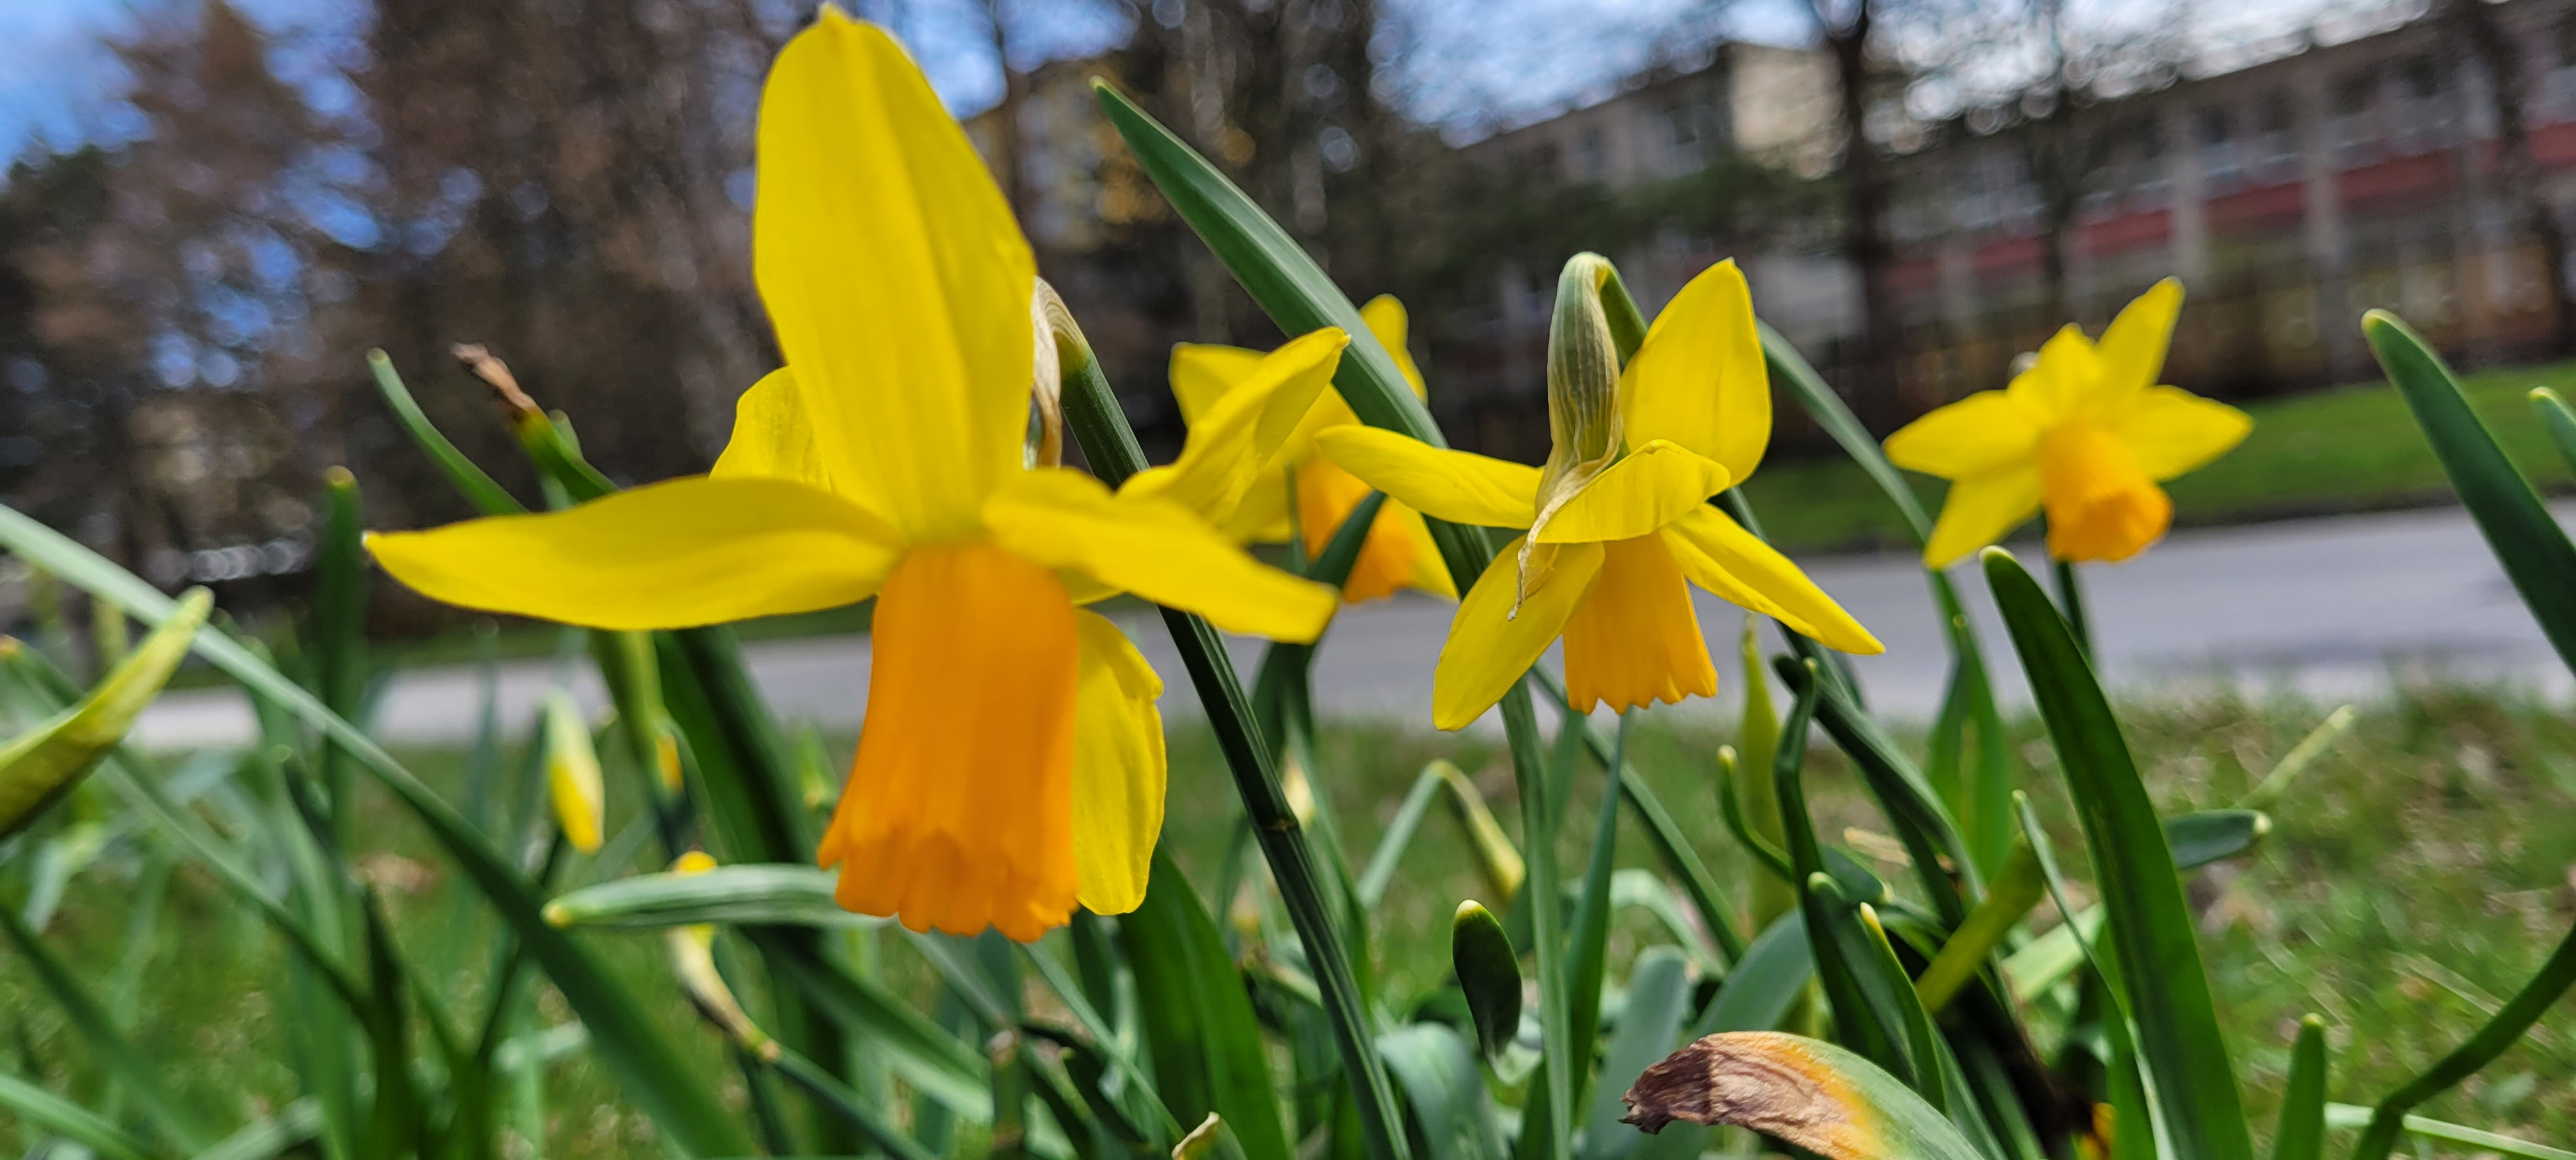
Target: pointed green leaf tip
2302,1131
46,762
1489,974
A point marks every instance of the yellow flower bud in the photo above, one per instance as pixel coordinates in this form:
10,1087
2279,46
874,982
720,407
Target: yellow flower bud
572,773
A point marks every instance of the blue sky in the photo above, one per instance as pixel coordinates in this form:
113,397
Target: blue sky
58,81
1466,61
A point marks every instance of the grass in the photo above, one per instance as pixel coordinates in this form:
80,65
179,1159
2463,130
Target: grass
2341,450
2419,871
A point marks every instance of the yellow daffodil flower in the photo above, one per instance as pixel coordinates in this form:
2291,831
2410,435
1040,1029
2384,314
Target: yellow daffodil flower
2084,433
1612,552
1398,552
1011,762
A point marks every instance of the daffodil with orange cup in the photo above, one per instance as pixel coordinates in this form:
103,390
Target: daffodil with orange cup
2085,434
1011,763
1619,524
1299,494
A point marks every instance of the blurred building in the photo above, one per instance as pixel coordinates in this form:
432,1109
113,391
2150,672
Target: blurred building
1734,103
2289,195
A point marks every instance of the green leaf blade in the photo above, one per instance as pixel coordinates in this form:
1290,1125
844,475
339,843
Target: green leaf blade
40,766
635,1051
1451,1108
2152,934
2534,551
2302,1131
1199,1025
1659,987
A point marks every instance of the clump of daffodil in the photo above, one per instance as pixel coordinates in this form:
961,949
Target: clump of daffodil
2085,434
1011,761
1619,524
1301,495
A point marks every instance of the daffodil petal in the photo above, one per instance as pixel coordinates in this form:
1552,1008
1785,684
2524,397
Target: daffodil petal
1490,646
895,277
1330,411
1230,441
1719,555
1976,434
1652,486
1326,497
1430,570
1980,510
2132,349
1457,486
2173,431
1203,373
687,552
1387,323
1262,517
1699,379
2068,373
773,437
1155,549
1118,769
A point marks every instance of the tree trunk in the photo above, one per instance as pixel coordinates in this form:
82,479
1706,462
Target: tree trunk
2058,170
1011,152
1865,243
2483,38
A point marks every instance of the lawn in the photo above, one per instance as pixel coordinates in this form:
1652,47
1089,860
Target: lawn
2339,450
2415,875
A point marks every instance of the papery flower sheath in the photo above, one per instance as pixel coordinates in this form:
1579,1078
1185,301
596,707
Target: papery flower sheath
1299,494
1620,526
2085,434
1011,762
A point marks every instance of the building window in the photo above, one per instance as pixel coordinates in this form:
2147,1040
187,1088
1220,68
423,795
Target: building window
2355,137
2566,42
1681,134
1593,154
2147,173
2277,145
2423,120
2423,78
2219,159
1693,125
1539,163
2274,114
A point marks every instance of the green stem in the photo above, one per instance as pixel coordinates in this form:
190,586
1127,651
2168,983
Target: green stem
512,960
1091,411
2070,597
1661,829
1543,893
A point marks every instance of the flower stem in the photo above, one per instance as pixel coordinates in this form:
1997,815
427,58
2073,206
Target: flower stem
2070,597
1091,410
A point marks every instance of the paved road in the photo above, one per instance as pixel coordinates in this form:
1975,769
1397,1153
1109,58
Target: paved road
2332,609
